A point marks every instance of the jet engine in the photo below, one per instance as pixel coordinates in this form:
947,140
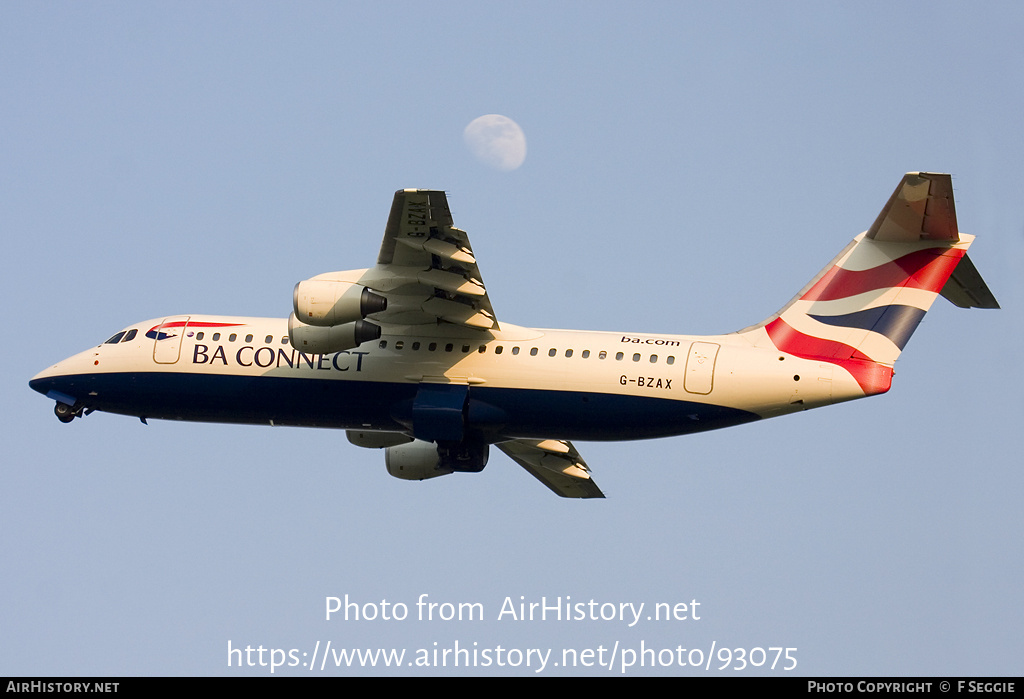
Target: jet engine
316,340
329,315
414,461
419,460
326,302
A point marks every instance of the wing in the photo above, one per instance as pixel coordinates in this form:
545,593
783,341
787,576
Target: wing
426,267
556,464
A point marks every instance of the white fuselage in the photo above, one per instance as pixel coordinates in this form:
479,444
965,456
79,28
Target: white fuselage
522,382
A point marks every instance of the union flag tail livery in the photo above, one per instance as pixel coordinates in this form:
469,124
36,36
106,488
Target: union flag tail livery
859,312
408,356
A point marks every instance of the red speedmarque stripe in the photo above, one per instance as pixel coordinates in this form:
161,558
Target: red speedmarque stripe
924,269
873,378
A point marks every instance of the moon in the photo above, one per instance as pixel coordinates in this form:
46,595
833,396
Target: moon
496,141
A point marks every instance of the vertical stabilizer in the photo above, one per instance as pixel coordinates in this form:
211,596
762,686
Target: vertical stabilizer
860,311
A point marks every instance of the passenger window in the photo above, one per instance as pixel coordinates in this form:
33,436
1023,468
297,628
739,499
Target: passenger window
432,346
602,355
552,352
618,356
268,340
483,348
568,353
533,352
399,345
383,344
199,335
284,340
670,360
415,346
515,350
232,337
654,358
636,357
449,347
248,338
498,349
216,337
586,353
465,348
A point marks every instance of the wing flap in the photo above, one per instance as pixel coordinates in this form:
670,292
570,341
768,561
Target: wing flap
441,248
556,464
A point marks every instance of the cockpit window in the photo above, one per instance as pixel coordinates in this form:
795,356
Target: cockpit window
115,339
130,335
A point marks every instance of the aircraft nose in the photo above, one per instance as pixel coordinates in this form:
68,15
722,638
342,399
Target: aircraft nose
63,380
53,383
44,381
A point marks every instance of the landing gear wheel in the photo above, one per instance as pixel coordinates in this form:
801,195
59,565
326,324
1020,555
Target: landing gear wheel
64,412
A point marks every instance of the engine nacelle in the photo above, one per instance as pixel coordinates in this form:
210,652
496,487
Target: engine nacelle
415,461
419,460
315,340
324,303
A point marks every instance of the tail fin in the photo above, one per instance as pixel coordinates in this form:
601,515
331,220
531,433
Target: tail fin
860,311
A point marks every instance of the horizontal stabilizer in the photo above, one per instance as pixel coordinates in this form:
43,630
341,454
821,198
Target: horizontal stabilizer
965,287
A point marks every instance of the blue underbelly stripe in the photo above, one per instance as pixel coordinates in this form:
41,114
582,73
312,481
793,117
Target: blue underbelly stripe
495,413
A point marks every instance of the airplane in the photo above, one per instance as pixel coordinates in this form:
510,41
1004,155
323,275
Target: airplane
408,356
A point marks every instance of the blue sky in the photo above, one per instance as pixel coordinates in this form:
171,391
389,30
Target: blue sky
689,168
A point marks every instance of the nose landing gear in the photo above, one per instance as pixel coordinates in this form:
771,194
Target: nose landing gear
66,413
